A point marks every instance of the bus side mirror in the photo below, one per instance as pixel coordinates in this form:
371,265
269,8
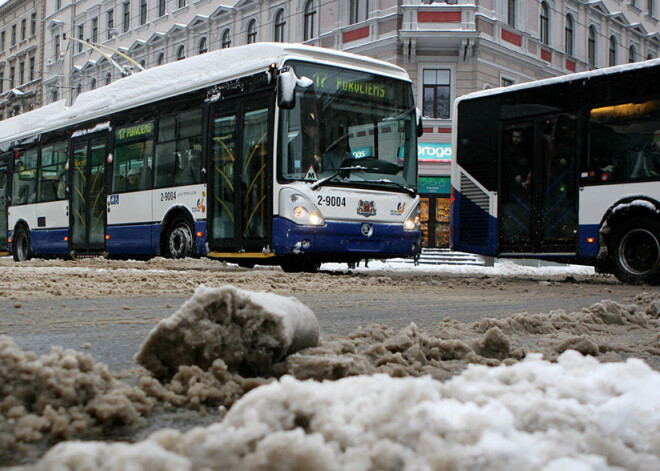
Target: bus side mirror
287,81
420,126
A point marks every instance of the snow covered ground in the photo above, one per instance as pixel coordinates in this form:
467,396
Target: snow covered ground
460,397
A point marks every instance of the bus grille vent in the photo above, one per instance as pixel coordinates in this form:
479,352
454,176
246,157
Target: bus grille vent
473,225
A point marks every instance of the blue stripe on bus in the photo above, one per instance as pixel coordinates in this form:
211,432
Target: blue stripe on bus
482,227
585,249
50,241
344,238
144,239
132,240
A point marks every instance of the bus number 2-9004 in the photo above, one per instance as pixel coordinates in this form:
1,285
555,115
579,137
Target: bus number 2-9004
331,201
168,196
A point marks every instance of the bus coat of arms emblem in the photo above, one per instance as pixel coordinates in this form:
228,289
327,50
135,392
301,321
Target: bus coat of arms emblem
366,208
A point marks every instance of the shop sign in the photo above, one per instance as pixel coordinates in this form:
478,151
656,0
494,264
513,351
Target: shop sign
440,185
434,152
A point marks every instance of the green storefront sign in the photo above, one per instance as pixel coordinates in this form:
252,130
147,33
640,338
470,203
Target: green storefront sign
437,185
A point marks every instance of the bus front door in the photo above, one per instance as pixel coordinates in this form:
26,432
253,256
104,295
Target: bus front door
4,193
538,200
239,183
87,204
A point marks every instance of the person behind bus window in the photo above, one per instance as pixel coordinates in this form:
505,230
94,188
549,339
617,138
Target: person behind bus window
132,180
305,145
339,151
516,156
648,162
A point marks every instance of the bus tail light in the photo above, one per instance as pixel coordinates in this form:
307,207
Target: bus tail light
590,240
66,238
107,237
199,234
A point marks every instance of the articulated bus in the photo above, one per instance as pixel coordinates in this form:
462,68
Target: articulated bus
275,154
564,169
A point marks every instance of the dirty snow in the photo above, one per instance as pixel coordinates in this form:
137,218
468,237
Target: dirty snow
554,390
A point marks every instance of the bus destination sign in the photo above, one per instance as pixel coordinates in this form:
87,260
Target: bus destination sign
133,132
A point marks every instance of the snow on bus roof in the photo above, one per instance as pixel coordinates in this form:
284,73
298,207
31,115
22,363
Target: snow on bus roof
179,77
561,79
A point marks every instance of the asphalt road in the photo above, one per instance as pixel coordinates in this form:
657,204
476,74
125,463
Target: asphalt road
112,329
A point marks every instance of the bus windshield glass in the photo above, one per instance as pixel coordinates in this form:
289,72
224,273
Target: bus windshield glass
355,127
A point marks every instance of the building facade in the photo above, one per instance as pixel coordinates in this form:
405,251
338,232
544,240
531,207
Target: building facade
449,48
20,56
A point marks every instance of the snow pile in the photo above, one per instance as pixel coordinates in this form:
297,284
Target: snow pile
60,395
249,331
608,330
576,413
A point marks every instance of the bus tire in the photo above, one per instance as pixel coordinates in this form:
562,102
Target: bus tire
635,249
21,247
179,239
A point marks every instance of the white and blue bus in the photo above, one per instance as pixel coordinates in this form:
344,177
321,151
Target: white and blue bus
266,153
564,169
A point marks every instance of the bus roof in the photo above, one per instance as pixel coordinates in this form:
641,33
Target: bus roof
561,79
180,77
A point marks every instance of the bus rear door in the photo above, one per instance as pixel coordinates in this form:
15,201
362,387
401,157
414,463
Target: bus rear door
87,204
538,198
4,194
240,205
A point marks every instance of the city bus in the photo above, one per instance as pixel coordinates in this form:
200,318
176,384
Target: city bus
278,154
564,169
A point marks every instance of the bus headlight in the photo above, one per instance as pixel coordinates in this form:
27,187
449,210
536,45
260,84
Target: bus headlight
298,208
412,222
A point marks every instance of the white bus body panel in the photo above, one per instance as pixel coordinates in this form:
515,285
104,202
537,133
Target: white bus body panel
55,214
596,200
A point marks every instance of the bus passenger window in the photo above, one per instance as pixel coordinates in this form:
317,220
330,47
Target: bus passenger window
25,170
133,156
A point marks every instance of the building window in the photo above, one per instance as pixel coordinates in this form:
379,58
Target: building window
252,32
612,55
506,82
108,78
310,13
12,72
81,36
202,46
56,43
182,3
143,11
161,59
181,53
92,84
568,34
95,29
359,11
2,82
31,72
632,54
126,16
79,90
511,13
436,93
33,24
650,7
161,8
226,39
545,23
58,6
13,35
110,23
279,26
21,73
2,41
591,46
23,29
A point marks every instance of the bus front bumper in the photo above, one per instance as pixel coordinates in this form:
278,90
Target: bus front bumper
370,240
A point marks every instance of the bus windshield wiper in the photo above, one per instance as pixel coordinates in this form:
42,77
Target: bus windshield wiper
407,189
339,171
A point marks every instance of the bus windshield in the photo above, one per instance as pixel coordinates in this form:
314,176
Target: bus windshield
356,127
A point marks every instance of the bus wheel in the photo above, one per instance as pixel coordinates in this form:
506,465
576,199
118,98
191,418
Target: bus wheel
300,266
179,242
21,245
636,251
